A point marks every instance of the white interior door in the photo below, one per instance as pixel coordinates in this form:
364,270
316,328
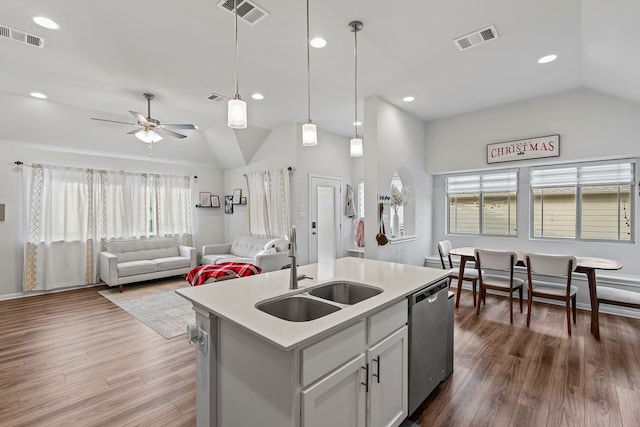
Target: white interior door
324,242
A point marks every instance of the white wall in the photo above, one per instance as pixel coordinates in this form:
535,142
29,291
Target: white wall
395,141
277,151
329,158
591,126
283,148
209,223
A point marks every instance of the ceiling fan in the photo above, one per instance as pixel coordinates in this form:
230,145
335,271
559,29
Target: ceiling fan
149,129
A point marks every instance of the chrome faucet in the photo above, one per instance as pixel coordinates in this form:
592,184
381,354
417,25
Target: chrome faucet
293,281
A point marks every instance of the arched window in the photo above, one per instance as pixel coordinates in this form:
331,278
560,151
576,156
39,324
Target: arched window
399,199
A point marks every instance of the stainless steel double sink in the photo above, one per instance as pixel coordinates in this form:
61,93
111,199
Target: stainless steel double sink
309,305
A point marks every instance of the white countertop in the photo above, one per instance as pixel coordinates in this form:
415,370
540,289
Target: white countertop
235,300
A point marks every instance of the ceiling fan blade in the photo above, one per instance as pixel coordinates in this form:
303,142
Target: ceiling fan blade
170,133
114,121
133,132
180,126
140,118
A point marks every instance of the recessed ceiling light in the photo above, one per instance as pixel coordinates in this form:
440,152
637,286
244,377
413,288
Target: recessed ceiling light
318,42
38,95
357,123
408,98
46,23
257,96
546,59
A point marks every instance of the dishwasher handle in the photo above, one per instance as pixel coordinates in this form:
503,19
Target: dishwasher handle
430,294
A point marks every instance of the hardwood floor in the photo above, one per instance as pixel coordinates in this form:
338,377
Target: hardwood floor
513,376
75,359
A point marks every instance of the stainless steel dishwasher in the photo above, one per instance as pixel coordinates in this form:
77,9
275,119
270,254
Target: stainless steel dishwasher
427,341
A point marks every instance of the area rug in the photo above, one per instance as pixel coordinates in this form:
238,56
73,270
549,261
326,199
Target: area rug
156,305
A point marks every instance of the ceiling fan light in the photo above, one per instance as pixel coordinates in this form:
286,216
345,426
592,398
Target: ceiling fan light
356,147
237,113
148,136
309,134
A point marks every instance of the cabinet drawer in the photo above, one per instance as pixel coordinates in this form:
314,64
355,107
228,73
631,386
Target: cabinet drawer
328,354
387,321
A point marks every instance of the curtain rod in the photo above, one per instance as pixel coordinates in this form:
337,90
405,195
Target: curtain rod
289,168
20,163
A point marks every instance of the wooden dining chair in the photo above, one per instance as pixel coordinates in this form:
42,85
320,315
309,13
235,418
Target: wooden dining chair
614,296
470,271
560,266
501,261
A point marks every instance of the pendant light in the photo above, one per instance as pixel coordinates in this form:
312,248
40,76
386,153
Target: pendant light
356,142
309,131
236,107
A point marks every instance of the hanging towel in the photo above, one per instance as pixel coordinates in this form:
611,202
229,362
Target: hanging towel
349,210
360,232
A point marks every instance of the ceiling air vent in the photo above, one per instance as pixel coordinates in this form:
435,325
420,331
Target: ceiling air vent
248,11
217,97
21,36
476,38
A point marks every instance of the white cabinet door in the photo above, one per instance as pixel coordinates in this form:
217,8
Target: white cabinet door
338,399
388,380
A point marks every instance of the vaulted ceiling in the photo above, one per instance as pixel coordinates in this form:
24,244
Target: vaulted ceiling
108,53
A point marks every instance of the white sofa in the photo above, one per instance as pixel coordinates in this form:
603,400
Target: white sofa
136,260
268,254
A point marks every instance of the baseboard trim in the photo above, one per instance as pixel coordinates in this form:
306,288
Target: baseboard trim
53,291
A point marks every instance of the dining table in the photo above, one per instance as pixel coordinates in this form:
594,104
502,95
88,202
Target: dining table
585,265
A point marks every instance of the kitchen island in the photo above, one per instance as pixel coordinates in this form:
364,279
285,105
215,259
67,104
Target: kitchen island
348,366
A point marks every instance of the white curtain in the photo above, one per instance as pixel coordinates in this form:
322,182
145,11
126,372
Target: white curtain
257,205
269,202
173,207
71,213
123,201
60,228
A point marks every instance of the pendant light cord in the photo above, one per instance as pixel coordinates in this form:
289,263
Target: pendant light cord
355,61
308,71
355,26
235,12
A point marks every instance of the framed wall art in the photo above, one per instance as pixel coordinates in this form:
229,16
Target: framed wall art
228,204
237,194
205,199
215,201
522,149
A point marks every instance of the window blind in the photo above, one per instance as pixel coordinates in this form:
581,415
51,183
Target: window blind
602,174
505,181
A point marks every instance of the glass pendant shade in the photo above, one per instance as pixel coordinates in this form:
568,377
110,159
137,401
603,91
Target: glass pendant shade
309,134
148,136
237,113
356,147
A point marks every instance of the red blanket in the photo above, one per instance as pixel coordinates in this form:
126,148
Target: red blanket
225,270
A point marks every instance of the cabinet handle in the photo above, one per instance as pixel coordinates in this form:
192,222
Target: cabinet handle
377,374
366,378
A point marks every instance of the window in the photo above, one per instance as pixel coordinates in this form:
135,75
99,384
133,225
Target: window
360,193
483,203
589,201
269,197
71,213
396,182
